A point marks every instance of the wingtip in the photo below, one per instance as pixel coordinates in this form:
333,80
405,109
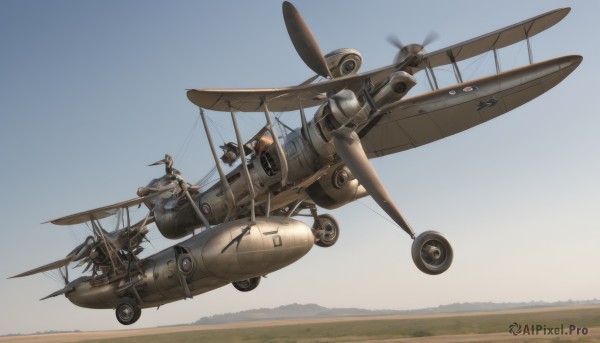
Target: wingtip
286,4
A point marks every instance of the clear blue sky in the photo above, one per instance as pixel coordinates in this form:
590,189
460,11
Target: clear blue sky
92,92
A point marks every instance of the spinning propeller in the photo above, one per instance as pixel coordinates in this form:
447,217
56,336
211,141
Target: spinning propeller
95,252
416,50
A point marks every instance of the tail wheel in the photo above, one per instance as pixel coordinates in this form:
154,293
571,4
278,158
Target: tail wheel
128,311
330,231
247,285
432,253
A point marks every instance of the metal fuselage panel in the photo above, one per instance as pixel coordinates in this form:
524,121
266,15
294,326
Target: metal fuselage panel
226,253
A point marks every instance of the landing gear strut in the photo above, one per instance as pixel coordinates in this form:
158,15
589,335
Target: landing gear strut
128,311
326,230
432,253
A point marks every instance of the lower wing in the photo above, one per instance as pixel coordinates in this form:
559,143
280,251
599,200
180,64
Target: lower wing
432,116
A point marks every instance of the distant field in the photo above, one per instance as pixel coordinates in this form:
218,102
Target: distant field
471,327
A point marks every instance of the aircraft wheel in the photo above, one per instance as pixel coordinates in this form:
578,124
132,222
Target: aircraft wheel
330,233
432,253
247,285
128,311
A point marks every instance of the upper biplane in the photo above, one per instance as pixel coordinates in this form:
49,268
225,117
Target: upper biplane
247,229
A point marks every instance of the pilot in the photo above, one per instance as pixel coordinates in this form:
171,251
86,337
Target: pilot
263,144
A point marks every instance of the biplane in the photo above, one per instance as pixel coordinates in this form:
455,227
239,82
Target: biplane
243,227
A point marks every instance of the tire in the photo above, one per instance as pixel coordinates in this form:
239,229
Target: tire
127,311
331,231
432,253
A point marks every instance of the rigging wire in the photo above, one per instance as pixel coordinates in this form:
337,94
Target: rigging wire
377,213
55,276
217,128
204,180
187,141
480,61
521,45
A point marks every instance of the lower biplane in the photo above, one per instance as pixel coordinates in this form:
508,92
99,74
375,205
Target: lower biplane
243,227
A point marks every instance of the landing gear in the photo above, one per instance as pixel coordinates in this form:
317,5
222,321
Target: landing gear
247,285
326,230
432,253
128,311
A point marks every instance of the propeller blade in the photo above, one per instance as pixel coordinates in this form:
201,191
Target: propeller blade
81,263
90,263
304,41
431,37
45,268
348,147
395,41
407,54
83,250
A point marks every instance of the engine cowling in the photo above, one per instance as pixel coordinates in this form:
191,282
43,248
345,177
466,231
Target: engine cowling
397,86
343,62
336,188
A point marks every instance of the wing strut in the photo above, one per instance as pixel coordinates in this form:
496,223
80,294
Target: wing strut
244,165
100,232
497,60
529,44
459,78
224,183
280,153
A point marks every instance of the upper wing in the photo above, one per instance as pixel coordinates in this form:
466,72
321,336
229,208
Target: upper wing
309,95
498,39
279,99
426,118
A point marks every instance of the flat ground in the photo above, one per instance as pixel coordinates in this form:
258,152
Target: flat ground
464,327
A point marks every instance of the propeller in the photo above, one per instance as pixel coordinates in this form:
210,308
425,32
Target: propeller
304,40
417,50
125,237
348,147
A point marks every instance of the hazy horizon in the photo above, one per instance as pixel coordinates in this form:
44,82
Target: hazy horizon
210,320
